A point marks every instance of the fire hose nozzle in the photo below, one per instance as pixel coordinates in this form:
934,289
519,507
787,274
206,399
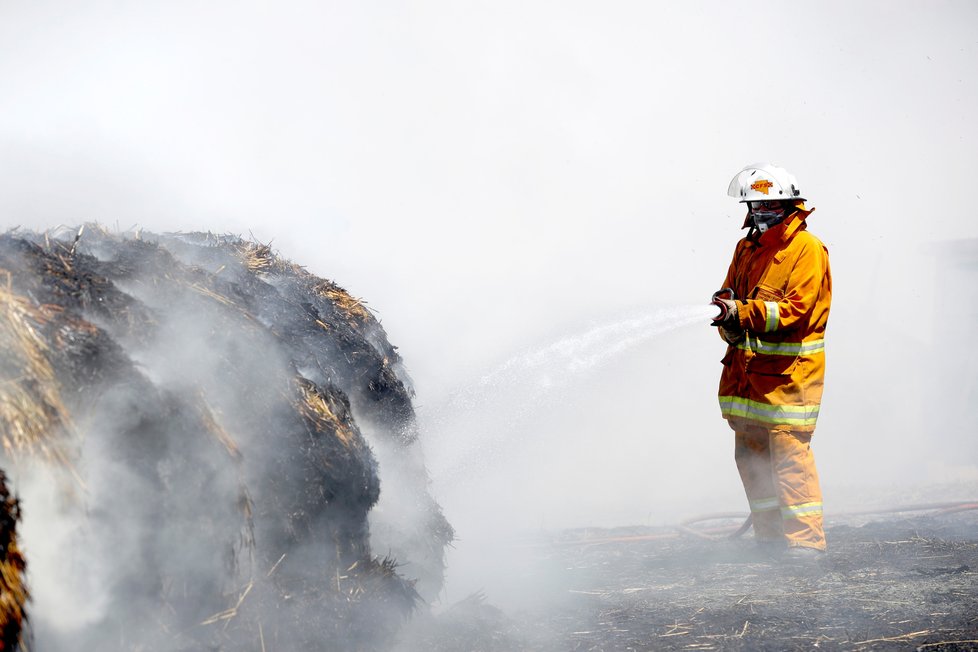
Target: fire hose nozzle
725,293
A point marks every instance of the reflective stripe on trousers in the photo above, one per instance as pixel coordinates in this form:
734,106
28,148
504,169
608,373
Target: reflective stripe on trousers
764,504
787,511
778,471
797,511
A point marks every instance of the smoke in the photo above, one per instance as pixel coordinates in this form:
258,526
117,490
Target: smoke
537,457
495,410
216,484
488,175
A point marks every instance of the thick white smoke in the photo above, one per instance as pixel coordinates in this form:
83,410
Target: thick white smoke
489,173
217,485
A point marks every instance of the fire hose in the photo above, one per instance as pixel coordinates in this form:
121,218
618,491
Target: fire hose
717,532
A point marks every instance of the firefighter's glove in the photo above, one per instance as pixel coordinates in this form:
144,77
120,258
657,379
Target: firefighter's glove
730,318
732,337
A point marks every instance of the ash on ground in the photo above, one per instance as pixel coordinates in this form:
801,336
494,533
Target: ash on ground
899,582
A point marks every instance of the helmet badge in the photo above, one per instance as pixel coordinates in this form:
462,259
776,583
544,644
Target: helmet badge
761,185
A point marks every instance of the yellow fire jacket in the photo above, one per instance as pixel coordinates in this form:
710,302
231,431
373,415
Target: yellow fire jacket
774,376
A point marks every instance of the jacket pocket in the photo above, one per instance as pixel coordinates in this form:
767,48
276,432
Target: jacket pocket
767,293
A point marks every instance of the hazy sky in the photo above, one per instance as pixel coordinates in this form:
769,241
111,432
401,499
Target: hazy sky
491,175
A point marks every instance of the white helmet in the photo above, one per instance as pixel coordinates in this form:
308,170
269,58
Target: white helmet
764,182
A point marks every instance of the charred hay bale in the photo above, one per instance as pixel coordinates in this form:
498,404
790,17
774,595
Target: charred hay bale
331,338
31,407
56,274
208,396
13,592
315,316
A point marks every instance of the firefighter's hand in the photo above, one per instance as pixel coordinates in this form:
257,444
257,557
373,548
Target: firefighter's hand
732,336
731,318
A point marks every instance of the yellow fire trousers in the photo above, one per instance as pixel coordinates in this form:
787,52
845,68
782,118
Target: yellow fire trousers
777,468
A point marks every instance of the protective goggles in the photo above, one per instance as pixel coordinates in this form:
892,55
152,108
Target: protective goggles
765,206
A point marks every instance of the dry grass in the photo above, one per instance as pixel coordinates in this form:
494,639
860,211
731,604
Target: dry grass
211,294
215,428
13,595
260,258
316,407
257,257
31,409
354,309
218,298
13,591
228,615
213,425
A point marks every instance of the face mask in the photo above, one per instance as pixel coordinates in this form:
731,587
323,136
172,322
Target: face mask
765,218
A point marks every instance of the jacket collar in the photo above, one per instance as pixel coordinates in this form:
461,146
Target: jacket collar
784,232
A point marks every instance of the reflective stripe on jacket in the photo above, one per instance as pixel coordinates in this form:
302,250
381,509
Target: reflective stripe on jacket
784,288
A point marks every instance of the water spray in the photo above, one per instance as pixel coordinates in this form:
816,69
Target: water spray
491,410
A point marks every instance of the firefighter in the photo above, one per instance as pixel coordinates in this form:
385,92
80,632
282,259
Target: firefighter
771,384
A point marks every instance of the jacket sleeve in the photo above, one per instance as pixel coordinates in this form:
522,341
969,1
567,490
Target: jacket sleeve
770,314
728,283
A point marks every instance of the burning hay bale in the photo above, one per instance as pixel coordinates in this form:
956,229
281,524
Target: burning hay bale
30,402
217,413
13,593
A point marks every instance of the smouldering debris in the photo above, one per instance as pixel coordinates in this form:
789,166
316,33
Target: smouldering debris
211,399
13,591
890,584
